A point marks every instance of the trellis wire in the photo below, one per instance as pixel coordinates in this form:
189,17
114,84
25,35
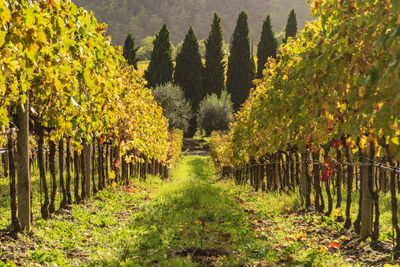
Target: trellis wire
378,165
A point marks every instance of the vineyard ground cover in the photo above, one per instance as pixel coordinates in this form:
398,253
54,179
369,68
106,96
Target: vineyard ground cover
308,238
80,236
197,219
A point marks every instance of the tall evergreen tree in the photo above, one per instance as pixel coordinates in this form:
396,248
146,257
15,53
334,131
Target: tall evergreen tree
160,68
266,47
214,72
253,71
189,68
239,76
291,26
188,72
129,51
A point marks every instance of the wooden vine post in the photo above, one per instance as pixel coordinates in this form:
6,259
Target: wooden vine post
24,179
367,202
305,179
350,173
87,156
16,226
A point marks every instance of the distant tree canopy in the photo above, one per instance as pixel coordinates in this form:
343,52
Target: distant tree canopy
129,51
240,66
266,47
189,69
144,52
145,17
175,107
188,74
161,67
215,113
291,26
214,72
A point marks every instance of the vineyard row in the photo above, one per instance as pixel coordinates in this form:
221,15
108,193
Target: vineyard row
65,88
335,85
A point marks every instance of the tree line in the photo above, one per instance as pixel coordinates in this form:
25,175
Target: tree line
198,80
144,18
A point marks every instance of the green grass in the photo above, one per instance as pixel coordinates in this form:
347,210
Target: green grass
196,219
5,210
288,241
198,213
85,234
188,215
293,202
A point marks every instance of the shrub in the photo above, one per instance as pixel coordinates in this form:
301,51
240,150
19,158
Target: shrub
215,113
175,107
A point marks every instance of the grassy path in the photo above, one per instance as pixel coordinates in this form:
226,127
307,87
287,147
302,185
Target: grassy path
193,220
198,221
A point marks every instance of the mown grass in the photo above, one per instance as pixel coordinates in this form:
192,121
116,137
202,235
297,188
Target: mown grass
190,215
288,242
196,212
292,201
196,219
275,205
83,235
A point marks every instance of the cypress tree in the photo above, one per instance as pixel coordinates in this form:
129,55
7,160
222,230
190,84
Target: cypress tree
214,72
189,68
291,26
160,68
253,70
266,47
188,72
129,51
239,76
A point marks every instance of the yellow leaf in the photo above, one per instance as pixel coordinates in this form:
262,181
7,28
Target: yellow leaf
42,37
2,37
322,250
33,47
5,16
363,142
361,91
395,140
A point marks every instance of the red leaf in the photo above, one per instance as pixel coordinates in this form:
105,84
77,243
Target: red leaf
116,164
326,175
336,143
334,245
103,107
327,171
378,107
102,139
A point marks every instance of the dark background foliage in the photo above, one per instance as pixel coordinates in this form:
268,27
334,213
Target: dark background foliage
145,17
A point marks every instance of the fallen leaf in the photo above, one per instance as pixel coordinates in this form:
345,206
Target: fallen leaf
258,221
288,238
299,237
322,250
334,245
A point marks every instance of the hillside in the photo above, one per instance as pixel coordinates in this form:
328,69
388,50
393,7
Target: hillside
145,17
